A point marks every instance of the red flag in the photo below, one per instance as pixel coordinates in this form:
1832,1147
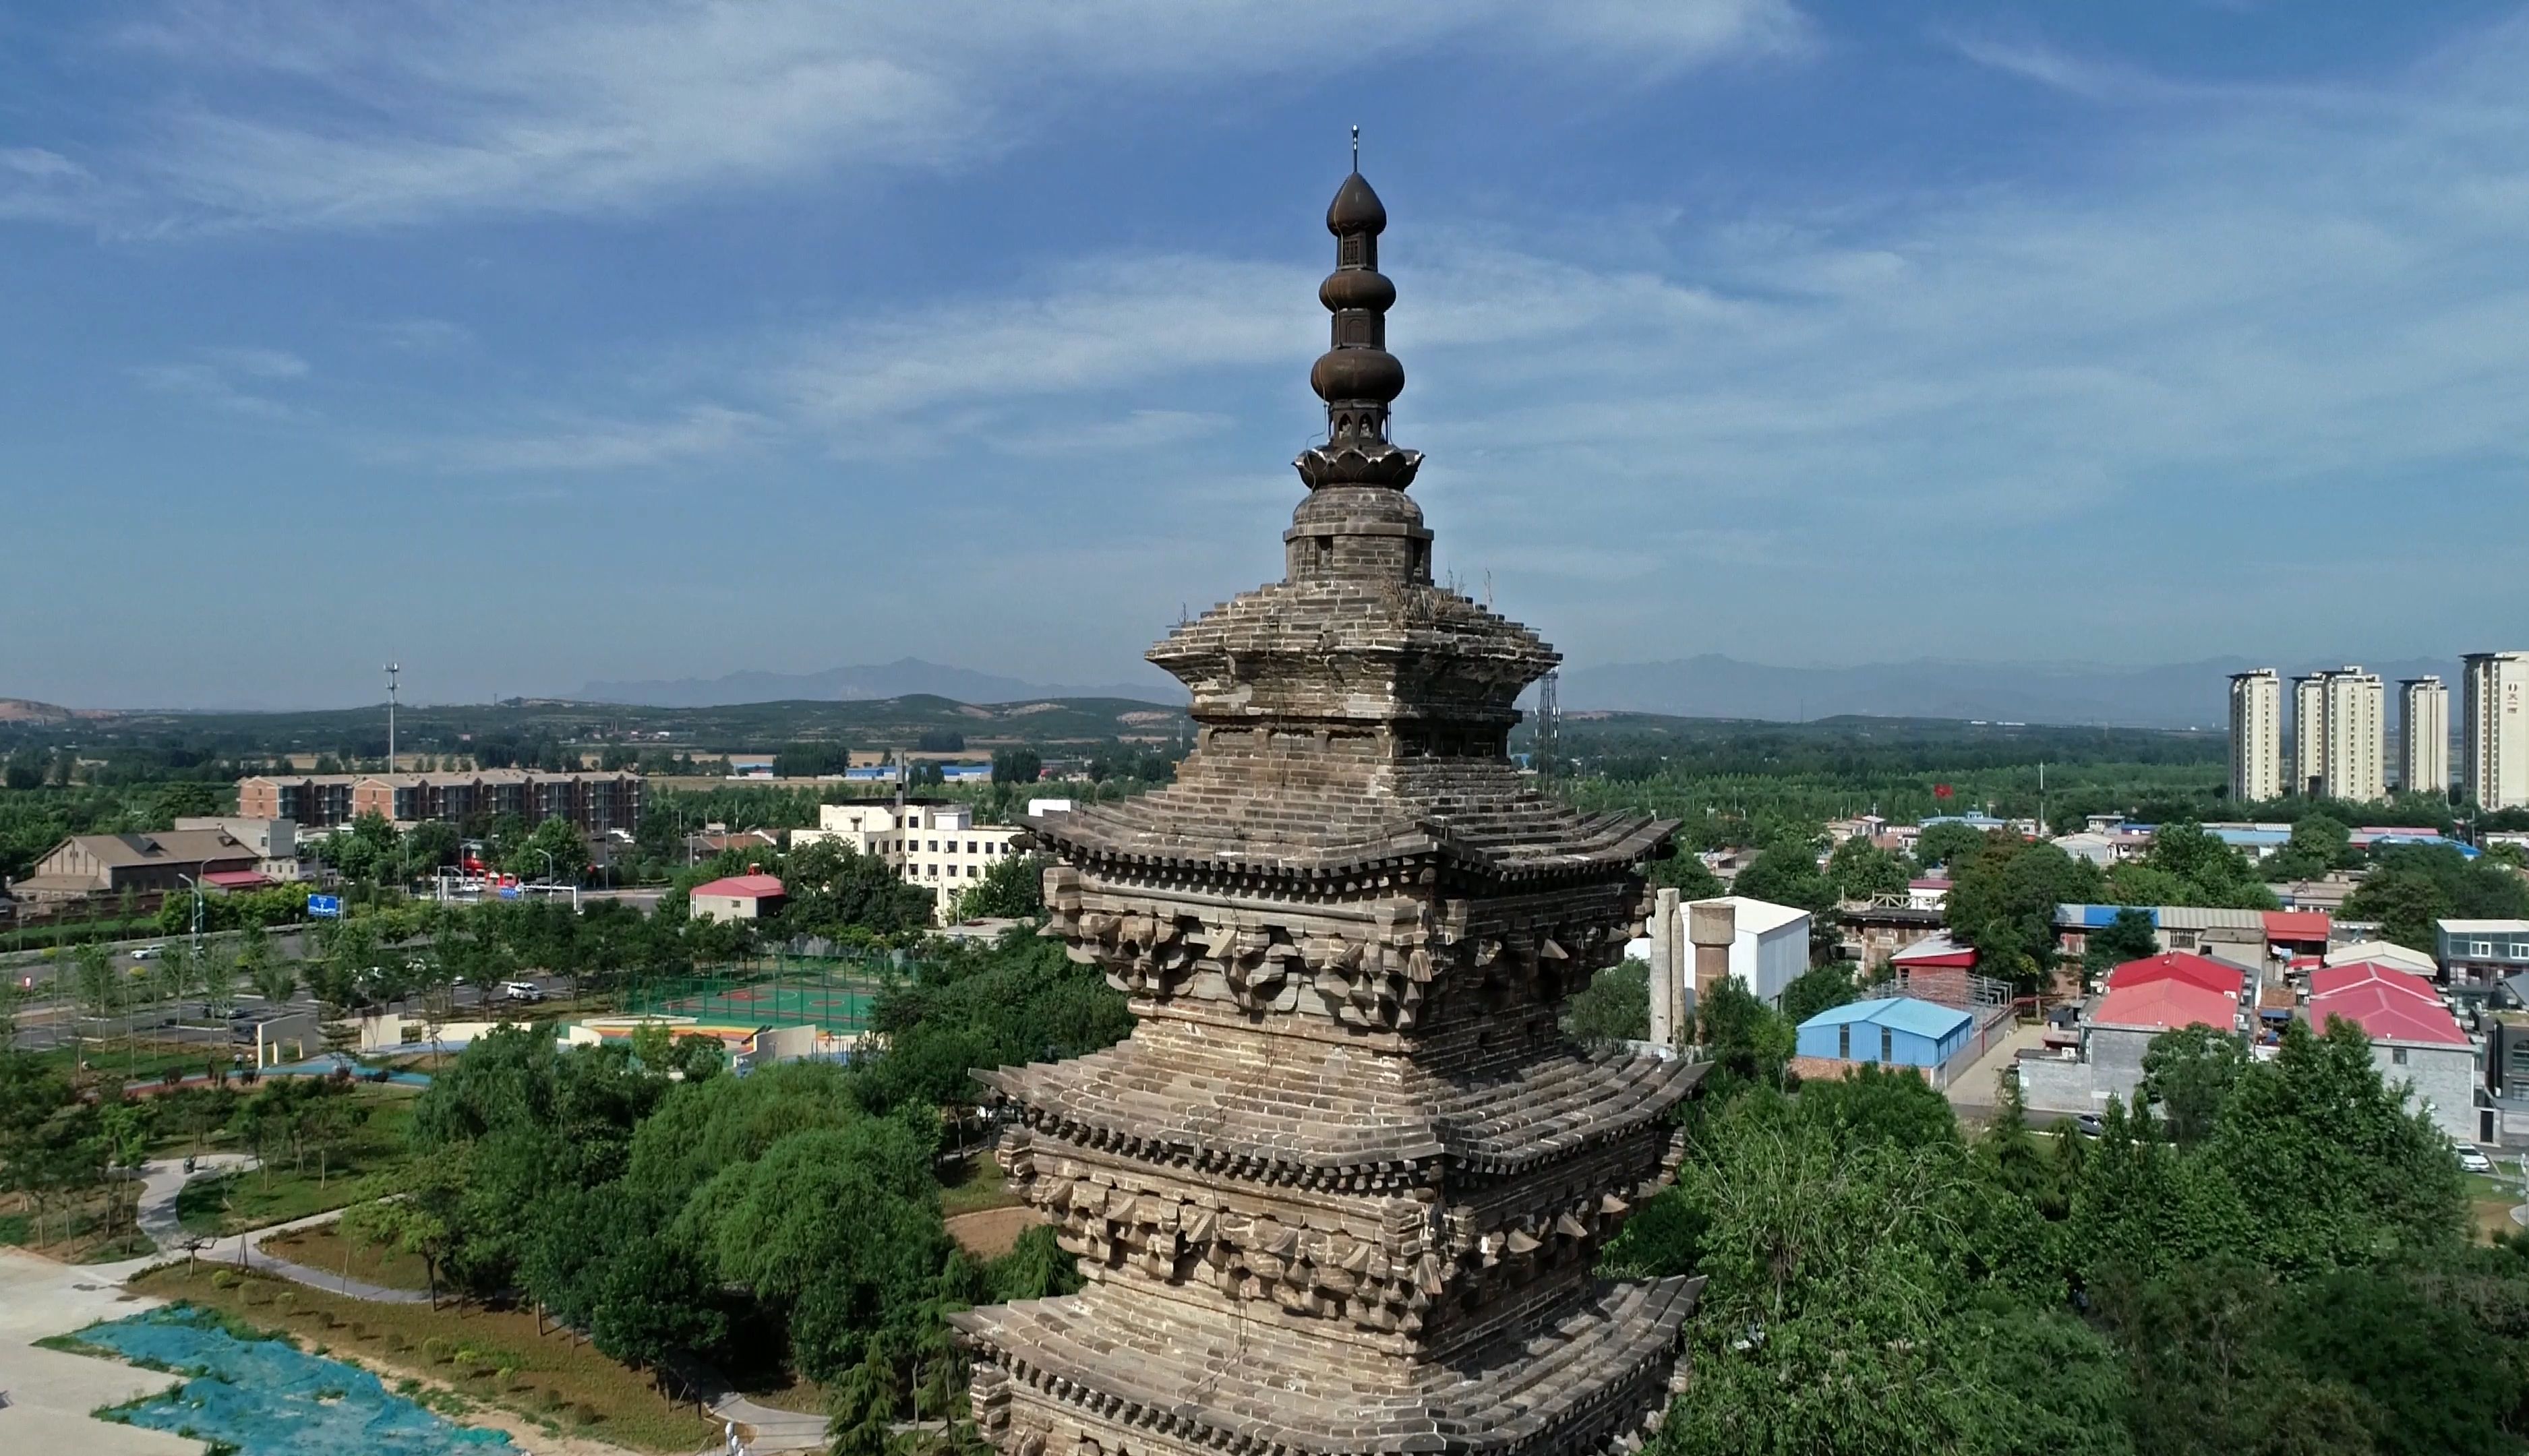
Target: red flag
1940,790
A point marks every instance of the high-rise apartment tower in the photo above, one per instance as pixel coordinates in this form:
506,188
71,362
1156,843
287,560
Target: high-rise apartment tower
2256,737
2494,732
2423,737
2309,734
2355,733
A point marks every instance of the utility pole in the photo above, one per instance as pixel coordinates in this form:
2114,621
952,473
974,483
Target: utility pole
392,670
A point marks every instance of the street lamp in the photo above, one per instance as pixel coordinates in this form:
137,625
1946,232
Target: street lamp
195,966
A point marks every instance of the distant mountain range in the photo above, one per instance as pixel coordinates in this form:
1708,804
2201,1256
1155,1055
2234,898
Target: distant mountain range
905,676
2177,695
2174,695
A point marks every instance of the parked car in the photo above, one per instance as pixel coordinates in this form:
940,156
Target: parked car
2473,1160
2088,1125
527,992
147,952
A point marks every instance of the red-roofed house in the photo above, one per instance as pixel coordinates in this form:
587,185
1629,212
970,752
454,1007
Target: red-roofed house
2145,998
2202,972
738,897
2414,1039
2301,932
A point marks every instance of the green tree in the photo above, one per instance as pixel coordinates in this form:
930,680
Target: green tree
99,990
1615,1006
1013,887
1016,765
1862,870
1748,1040
2130,935
1949,845
1787,874
2319,843
2188,1073
2186,865
1686,875
553,849
420,1220
2001,900
1818,989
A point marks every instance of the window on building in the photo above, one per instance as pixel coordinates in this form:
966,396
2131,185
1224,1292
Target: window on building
1887,1045
2520,950
2397,1055
935,846
1844,1041
2481,949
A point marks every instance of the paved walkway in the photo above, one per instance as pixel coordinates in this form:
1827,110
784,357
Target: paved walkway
773,1429
49,1393
164,1178
1973,1092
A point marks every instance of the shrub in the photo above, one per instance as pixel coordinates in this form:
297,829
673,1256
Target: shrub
226,1278
584,1414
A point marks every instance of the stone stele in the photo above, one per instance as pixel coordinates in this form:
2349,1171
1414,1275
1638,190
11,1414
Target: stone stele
1343,1188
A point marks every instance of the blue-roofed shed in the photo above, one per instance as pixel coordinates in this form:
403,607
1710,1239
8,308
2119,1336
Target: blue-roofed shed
2097,917
1897,1030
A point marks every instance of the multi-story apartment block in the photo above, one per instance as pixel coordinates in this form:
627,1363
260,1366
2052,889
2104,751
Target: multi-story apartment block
2309,734
2355,734
2494,732
593,803
308,800
2422,735
2256,737
935,845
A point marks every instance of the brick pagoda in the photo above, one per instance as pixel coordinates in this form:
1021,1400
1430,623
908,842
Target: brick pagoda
1343,1187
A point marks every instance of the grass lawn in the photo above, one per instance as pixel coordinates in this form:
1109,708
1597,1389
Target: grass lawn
75,1231
323,1246
470,1354
280,1193
145,1060
978,1185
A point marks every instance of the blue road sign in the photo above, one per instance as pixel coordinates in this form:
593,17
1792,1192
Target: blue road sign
325,906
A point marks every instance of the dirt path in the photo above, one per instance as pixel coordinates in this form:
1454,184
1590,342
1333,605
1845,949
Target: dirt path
988,1233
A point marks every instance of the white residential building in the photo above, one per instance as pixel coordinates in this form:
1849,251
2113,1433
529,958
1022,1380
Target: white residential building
2493,734
2309,734
2355,762
2422,735
2256,737
935,845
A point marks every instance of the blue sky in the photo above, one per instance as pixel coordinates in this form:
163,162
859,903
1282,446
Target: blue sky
539,342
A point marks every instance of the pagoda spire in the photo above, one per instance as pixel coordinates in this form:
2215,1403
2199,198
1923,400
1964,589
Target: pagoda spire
1357,376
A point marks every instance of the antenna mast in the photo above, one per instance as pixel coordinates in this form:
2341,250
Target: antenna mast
391,670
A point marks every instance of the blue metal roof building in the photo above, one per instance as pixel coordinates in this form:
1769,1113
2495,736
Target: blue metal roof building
1896,1030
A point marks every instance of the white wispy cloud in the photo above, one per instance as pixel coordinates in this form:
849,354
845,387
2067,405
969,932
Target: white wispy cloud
577,444
425,335
236,380
299,115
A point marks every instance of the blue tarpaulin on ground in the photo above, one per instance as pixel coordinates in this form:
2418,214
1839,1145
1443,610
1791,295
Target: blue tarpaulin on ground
268,1398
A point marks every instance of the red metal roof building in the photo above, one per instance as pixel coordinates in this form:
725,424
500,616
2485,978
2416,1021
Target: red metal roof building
2389,1004
2300,930
2166,1004
2199,971
738,897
